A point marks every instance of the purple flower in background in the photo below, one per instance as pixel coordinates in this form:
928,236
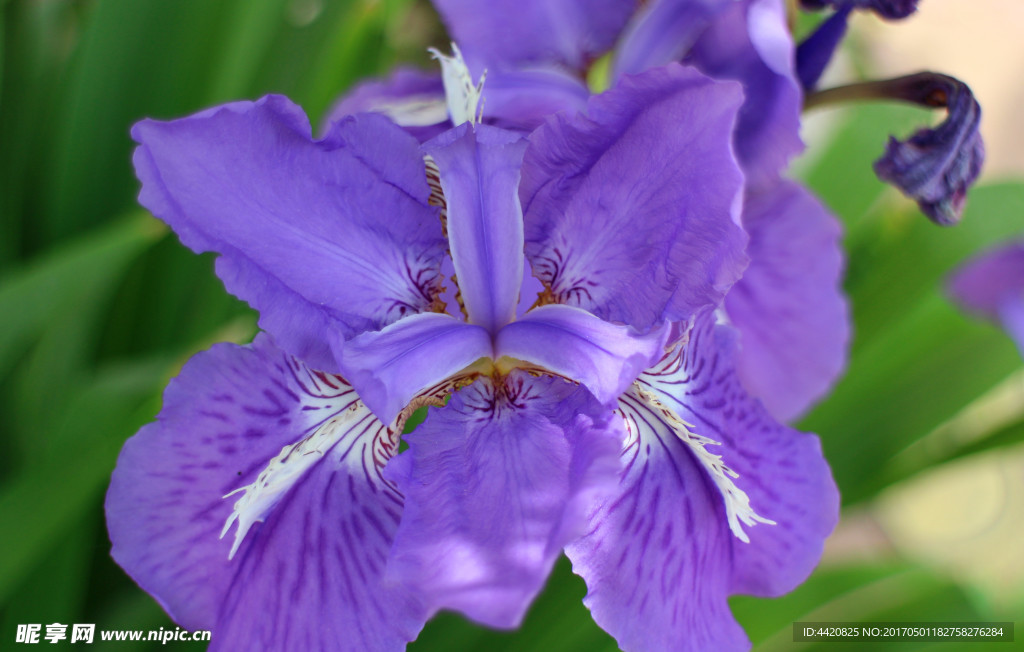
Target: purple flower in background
605,417
992,286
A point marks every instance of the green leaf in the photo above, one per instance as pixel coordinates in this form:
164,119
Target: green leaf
83,272
66,566
916,360
891,591
353,51
557,620
132,59
916,460
253,26
858,138
41,503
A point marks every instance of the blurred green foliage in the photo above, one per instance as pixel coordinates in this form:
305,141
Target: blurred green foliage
99,305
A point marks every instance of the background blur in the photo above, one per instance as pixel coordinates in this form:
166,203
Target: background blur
99,307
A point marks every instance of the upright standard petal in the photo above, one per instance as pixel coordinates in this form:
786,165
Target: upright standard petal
789,306
606,358
751,43
781,470
663,31
389,368
496,482
523,98
992,286
630,210
317,532
479,170
319,236
705,470
504,33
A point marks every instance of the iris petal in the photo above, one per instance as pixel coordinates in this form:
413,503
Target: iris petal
630,210
789,306
322,542
660,558
319,236
413,99
750,43
663,31
496,482
509,33
781,470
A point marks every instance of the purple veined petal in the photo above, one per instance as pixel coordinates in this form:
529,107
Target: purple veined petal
310,575
411,98
656,557
663,31
391,367
319,236
496,483
750,43
789,306
506,34
664,553
781,470
479,168
891,9
991,285
631,210
604,357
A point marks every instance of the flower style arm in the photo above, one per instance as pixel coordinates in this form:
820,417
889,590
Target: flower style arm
479,174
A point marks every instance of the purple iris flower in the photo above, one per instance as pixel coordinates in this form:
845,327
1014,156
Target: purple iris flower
788,307
603,417
992,286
